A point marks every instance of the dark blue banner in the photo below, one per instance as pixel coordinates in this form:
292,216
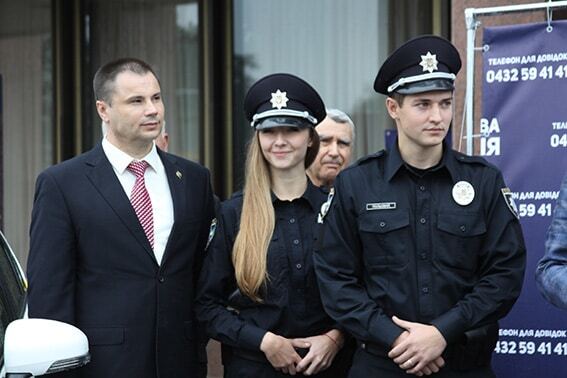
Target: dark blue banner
524,132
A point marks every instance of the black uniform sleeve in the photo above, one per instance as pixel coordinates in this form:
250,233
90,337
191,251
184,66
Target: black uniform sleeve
502,261
340,269
216,284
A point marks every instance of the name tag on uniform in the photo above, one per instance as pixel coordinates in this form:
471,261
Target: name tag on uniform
381,206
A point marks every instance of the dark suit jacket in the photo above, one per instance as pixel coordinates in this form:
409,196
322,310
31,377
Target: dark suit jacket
91,265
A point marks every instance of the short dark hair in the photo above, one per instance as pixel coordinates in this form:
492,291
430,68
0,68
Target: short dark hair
398,97
106,75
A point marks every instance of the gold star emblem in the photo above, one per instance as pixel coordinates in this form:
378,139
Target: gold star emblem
279,99
429,62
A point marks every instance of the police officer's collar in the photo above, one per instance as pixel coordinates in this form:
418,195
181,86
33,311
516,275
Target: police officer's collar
450,162
312,195
395,162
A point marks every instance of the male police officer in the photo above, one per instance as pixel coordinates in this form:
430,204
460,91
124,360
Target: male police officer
421,251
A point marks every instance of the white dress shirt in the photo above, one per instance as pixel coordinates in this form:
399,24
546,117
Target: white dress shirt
156,184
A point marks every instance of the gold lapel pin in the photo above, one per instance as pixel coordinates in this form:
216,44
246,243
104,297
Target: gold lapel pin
178,174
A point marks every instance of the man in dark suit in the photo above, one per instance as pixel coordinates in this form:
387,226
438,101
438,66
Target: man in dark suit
116,249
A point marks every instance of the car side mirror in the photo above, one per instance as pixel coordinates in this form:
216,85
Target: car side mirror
40,346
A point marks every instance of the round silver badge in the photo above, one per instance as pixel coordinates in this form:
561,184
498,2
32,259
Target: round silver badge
463,193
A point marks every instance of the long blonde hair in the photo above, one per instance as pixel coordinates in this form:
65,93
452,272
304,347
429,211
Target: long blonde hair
258,219
257,222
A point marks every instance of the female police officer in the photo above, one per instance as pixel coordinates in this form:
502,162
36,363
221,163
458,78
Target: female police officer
258,291
423,251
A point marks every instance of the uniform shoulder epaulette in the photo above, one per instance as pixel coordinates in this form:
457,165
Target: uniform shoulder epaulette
239,193
367,158
472,159
234,202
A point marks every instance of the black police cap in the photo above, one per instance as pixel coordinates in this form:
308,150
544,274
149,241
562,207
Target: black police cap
423,64
283,99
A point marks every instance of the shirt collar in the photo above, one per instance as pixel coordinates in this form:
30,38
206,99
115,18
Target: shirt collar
394,162
311,195
120,159
450,162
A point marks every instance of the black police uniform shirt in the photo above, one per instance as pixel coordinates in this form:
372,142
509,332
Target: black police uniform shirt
396,243
291,304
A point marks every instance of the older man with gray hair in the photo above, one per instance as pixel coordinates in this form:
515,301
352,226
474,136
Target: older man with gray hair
336,134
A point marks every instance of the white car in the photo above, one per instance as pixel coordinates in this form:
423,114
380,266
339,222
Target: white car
32,347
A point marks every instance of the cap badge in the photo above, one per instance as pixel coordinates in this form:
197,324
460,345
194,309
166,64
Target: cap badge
429,62
279,99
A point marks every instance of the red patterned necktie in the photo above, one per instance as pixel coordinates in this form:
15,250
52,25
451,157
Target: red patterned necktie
140,199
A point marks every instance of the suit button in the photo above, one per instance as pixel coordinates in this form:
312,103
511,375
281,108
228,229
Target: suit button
161,279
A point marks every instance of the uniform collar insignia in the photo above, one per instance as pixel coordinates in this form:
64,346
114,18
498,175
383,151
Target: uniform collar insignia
279,99
429,62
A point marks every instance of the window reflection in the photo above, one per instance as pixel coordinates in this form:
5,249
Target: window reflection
335,45
27,104
164,34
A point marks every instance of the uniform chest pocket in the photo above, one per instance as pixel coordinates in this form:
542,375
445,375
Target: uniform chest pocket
384,236
460,237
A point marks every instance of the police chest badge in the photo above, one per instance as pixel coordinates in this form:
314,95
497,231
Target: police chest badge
212,231
326,206
510,202
463,193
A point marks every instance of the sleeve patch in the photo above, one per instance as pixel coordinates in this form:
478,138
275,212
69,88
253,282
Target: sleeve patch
510,202
326,206
212,231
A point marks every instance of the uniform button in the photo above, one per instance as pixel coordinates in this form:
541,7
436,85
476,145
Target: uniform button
298,266
422,188
161,279
423,255
463,228
425,290
292,220
296,242
422,220
382,224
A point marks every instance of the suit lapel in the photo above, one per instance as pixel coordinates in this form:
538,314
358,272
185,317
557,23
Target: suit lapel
177,181
102,176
